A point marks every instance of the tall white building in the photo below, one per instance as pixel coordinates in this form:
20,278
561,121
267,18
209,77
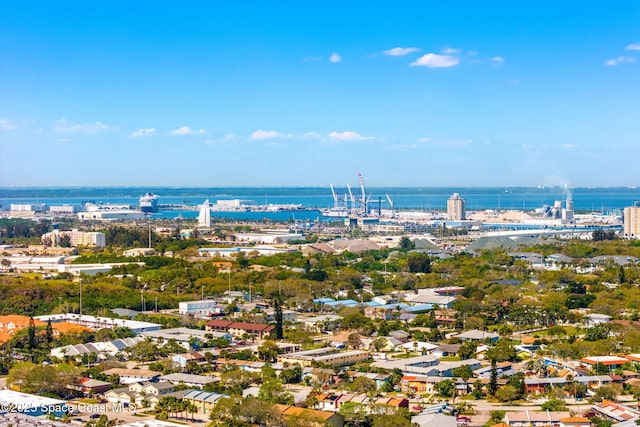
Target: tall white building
456,208
200,308
204,216
631,229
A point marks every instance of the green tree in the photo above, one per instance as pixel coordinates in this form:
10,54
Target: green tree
401,418
291,375
419,263
49,334
467,350
268,351
406,244
463,372
446,388
278,318
502,351
507,393
354,414
554,405
268,372
273,391
493,379
363,385
495,417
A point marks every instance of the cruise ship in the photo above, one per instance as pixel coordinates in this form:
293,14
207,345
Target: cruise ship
149,203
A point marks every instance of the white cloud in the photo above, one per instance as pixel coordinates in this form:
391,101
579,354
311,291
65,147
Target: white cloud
311,135
335,58
6,124
63,126
186,130
568,146
633,46
433,60
347,135
140,133
401,51
423,140
267,134
498,59
618,60
451,51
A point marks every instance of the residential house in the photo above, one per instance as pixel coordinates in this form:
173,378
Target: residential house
130,376
575,422
534,418
181,360
89,386
327,322
593,319
430,296
476,335
323,417
611,362
616,412
422,384
333,402
421,346
153,389
190,380
384,312
189,339
121,395
239,329
446,350
203,400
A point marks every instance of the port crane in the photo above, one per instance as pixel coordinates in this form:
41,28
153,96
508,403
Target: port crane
393,212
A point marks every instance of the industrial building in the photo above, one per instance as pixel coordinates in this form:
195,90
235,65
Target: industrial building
631,228
456,208
199,308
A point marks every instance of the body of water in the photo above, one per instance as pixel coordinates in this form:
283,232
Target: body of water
585,199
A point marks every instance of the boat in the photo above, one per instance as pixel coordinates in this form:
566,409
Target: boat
149,203
335,212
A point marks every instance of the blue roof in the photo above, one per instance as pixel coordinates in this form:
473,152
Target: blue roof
371,304
419,308
345,302
323,300
394,305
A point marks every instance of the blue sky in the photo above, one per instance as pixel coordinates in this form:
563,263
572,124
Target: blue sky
279,93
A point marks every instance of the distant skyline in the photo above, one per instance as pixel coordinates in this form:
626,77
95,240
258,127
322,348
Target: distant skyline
420,94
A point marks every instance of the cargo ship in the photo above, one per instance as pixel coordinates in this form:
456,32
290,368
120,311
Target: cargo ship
149,203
